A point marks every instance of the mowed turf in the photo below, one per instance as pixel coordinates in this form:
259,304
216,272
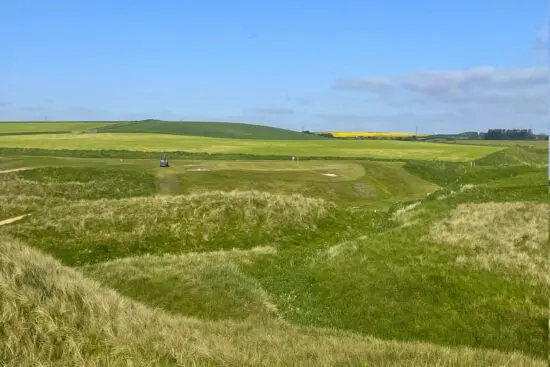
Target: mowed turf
210,129
38,127
314,148
347,183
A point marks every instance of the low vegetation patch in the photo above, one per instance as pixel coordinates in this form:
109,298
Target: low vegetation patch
207,285
76,183
92,231
53,315
500,237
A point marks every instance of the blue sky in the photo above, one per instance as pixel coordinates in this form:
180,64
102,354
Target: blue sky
321,65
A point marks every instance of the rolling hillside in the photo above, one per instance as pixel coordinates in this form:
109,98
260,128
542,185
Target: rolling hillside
209,129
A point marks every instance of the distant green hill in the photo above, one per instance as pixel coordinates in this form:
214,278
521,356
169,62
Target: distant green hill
208,129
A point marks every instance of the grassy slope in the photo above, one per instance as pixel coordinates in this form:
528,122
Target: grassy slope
392,283
210,129
541,144
319,148
30,127
52,314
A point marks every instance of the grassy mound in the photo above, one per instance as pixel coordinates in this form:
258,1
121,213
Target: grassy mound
24,127
76,183
499,166
52,315
401,283
500,237
206,285
100,230
210,129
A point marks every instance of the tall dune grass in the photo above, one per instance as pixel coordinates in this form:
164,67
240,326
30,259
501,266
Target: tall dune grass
92,231
52,315
76,183
500,237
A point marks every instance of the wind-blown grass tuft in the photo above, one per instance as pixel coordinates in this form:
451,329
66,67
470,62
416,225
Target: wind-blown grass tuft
52,315
100,230
500,237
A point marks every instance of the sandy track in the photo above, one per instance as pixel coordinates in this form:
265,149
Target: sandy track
11,220
16,169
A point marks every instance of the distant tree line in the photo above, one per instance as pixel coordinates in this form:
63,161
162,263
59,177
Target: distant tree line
513,134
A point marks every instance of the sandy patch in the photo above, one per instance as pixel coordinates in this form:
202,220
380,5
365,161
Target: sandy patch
15,169
11,220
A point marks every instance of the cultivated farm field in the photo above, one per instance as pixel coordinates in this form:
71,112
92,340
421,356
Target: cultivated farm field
208,129
43,127
425,261
283,148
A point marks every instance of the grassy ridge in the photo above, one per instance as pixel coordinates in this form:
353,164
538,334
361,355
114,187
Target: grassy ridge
210,129
403,284
207,285
313,148
540,144
51,314
42,127
92,231
76,183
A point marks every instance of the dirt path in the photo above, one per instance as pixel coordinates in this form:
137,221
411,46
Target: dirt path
16,169
11,220
168,184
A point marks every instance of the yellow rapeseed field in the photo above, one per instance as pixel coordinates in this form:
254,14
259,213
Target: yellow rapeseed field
367,134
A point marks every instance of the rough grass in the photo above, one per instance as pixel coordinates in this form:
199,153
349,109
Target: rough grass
51,315
500,237
502,165
541,144
310,148
13,206
207,285
210,129
92,231
76,183
372,272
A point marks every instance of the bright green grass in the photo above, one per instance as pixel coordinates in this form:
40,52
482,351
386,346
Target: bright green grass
363,183
328,148
205,285
355,183
354,270
541,144
53,315
210,129
29,127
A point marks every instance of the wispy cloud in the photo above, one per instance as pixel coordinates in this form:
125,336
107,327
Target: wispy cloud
274,111
479,95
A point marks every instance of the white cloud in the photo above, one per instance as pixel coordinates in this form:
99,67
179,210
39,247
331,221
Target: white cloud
484,96
371,84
